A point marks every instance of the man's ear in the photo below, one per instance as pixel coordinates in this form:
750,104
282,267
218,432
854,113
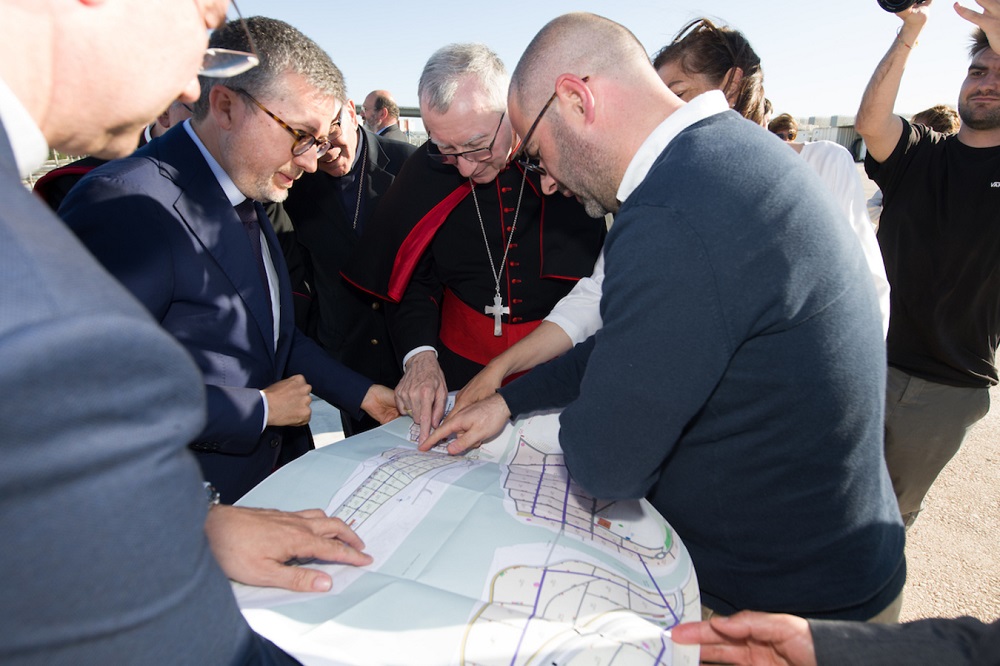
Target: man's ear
352,111
575,98
222,104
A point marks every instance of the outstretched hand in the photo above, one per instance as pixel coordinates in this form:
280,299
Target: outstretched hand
253,546
422,393
988,19
473,424
750,639
480,387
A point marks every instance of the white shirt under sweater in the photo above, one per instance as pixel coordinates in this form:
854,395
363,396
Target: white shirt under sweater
837,170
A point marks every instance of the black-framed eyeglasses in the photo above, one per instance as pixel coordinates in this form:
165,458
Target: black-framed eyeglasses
303,140
477,155
521,153
223,63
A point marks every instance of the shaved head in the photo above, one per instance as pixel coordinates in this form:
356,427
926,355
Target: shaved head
583,112
566,45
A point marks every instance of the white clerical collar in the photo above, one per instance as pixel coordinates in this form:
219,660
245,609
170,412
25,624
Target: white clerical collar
701,107
26,139
228,186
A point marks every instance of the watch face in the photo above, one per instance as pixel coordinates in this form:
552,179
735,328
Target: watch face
211,494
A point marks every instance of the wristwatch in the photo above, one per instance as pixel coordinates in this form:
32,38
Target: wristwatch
211,494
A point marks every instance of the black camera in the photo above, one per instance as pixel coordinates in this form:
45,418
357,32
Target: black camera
896,6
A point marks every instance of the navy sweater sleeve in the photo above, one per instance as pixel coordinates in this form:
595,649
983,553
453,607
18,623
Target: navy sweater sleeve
554,384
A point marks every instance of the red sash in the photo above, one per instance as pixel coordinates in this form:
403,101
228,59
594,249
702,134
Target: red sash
469,333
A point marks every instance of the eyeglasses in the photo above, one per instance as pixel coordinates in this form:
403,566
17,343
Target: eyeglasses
477,155
223,63
336,127
303,140
521,153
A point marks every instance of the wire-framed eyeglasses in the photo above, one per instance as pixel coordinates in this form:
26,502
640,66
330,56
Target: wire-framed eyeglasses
520,154
476,155
224,63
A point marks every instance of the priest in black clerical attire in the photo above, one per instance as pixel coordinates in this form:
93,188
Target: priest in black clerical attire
468,249
327,213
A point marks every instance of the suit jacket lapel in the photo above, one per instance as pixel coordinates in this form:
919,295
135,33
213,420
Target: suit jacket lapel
377,179
204,208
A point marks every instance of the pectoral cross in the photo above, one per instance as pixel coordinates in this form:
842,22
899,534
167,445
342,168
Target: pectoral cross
498,311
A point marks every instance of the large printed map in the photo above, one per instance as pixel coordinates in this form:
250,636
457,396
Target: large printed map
495,557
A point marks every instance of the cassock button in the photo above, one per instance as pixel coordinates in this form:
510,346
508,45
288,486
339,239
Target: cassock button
509,228
376,305
506,189
374,341
517,300
508,210
514,264
515,319
515,281
275,441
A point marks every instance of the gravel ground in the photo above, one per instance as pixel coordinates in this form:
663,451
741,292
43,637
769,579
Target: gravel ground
953,550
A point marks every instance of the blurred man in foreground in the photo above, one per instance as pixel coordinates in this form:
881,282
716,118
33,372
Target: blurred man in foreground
101,502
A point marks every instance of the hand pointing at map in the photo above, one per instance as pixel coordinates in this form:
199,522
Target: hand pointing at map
472,424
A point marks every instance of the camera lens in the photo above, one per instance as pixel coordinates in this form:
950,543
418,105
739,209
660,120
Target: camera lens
896,6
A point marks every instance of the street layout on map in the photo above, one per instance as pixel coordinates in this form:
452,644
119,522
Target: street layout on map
562,608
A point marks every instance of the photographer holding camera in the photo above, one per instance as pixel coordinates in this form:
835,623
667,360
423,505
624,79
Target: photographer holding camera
940,237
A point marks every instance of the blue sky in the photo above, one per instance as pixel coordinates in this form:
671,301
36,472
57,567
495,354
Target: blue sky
817,56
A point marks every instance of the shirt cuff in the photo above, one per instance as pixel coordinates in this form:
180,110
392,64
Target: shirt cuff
415,351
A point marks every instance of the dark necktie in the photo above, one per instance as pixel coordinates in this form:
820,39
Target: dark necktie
248,216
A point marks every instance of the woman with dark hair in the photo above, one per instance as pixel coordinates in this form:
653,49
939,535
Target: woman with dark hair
704,56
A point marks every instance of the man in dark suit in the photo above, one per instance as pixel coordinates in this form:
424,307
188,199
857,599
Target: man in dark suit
56,184
381,115
750,638
106,549
328,210
166,222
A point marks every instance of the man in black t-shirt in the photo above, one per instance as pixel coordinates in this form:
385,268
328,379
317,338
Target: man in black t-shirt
940,239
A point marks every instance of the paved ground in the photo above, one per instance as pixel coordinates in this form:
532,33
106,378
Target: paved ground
953,550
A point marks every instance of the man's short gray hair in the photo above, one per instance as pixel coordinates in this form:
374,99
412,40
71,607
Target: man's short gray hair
282,49
451,64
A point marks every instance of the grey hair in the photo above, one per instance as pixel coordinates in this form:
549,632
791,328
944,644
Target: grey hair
282,49
450,64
